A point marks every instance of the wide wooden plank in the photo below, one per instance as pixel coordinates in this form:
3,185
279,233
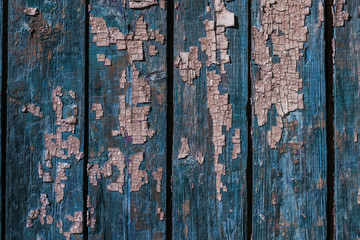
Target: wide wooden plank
210,125
45,119
127,146
347,121
289,138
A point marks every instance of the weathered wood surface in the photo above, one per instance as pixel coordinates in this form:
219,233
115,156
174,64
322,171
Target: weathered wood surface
347,124
127,212
197,211
289,182
46,51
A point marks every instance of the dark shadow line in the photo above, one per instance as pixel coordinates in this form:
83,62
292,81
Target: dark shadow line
170,112
86,127
249,164
329,84
4,115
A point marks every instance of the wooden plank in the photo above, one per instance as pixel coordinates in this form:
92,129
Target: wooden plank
347,123
203,208
289,182
46,68
127,193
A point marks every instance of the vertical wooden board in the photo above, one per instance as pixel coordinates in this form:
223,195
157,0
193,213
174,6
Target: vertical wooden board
46,51
127,212
347,124
289,182
197,211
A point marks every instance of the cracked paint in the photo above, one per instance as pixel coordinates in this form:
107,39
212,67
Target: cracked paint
279,83
158,177
97,108
138,177
189,65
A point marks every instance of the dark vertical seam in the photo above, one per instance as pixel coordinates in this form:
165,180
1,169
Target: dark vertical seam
170,112
249,167
4,115
86,131
329,84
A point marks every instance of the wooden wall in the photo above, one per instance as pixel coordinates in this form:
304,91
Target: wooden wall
173,119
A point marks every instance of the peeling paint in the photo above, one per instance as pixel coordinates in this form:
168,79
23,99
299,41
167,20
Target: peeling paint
32,108
189,65
339,15
279,84
77,227
158,177
117,159
321,14
46,176
236,140
31,11
138,177
97,107
132,42
142,3
90,219
161,213
60,176
221,114
153,51
184,149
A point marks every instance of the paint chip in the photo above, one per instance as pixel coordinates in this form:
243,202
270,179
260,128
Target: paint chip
184,149
189,65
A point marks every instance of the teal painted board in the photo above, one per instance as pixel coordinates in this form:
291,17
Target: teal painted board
45,119
209,198
347,124
289,112
127,132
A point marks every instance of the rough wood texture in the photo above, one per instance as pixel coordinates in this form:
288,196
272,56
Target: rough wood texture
289,183
347,125
197,211
129,210
46,50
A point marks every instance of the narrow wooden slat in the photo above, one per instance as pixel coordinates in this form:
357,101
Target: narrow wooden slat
46,51
347,124
289,182
201,208
121,208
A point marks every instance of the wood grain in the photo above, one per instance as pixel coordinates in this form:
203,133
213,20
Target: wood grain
45,51
347,125
289,183
197,213
130,214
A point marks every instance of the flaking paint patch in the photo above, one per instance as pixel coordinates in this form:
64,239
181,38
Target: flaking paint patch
45,176
161,213
200,158
184,149
221,114
77,227
186,212
97,108
90,219
34,214
60,176
321,14
236,140
158,177
117,159
339,14
32,108
133,42
138,177
152,50
142,3
31,11
279,84
189,65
